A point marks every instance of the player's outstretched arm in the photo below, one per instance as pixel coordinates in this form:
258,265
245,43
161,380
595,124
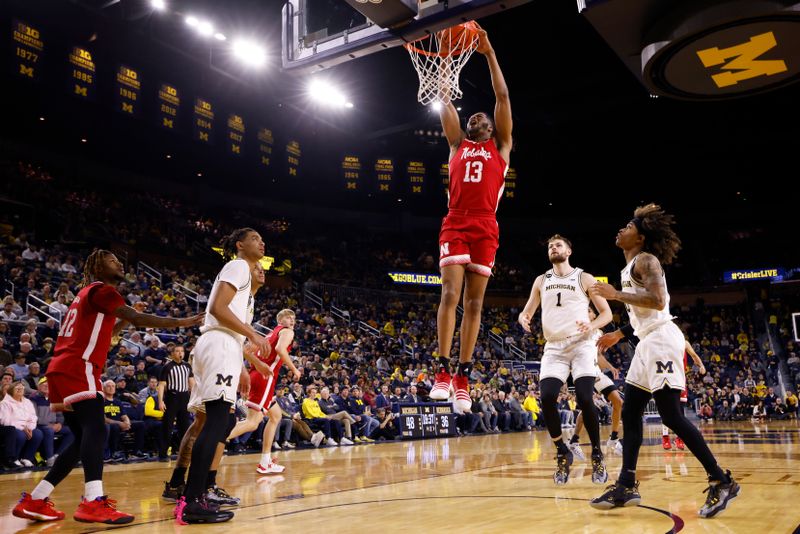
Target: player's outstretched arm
503,121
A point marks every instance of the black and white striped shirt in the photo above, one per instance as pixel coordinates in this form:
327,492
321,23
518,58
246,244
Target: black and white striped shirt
176,375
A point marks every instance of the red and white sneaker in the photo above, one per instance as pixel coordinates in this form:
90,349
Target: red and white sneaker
461,398
101,510
36,509
441,387
666,443
270,469
679,444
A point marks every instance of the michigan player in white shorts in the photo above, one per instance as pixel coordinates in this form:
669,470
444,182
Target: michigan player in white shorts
570,349
648,241
217,366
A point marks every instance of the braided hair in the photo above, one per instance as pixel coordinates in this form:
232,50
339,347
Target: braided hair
93,266
228,243
655,225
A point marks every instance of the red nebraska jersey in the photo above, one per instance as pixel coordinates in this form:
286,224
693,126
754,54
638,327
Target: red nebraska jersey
477,177
86,329
273,360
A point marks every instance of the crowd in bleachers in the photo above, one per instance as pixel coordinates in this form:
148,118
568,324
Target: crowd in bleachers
352,375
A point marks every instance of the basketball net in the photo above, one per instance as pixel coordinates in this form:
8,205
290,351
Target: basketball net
438,59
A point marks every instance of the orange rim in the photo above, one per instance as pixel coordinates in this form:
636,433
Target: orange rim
470,27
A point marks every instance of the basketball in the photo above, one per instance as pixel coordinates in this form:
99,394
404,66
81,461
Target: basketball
455,40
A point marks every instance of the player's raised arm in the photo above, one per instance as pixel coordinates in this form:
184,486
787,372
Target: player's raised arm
503,121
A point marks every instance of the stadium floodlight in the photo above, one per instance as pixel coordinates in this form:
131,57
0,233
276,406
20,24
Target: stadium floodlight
158,5
249,53
325,93
192,21
205,28
220,36
436,106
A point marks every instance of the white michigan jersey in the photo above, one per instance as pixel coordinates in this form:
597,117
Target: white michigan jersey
643,320
564,302
237,274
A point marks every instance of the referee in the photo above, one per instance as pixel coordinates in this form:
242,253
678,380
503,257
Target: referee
174,383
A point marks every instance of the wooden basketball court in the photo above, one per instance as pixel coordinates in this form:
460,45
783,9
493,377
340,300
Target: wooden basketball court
495,483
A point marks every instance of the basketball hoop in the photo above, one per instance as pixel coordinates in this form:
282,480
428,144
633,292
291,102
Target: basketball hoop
438,59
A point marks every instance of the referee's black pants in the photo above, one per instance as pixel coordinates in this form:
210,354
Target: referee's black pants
176,403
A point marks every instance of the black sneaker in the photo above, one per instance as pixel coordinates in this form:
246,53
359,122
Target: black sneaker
719,495
599,473
201,511
563,461
220,497
617,495
172,494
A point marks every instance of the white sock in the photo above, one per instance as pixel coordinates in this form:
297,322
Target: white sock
93,490
43,489
266,458
664,430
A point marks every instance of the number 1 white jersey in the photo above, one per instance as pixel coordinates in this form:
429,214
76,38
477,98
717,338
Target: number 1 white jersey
564,302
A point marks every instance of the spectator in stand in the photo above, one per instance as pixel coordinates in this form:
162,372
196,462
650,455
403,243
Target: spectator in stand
8,311
18,412
5,355
118,422
19,366
50,423
33,376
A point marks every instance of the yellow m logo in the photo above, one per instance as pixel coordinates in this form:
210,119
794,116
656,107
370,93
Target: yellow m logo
26,71
416,189
127,108
236,149
264,161
203,136
82,91
744,60
384,187
167,123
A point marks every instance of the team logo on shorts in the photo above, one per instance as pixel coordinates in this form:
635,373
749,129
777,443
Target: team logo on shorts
662,366
228,380
444,249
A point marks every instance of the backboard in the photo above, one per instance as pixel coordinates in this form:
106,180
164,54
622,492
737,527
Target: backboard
318,34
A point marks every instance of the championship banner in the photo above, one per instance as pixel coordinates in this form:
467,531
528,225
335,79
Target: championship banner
265,143
82,80
203,120
293,158
351,172
444,174
169,102
129,89
28,49
235,134
511,183
384,172
416,176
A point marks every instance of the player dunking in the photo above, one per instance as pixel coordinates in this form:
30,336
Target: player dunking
469,236
648,242
262,390
570,349
665,442
218,365
97,313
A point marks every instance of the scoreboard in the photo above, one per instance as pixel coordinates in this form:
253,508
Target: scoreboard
425,420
